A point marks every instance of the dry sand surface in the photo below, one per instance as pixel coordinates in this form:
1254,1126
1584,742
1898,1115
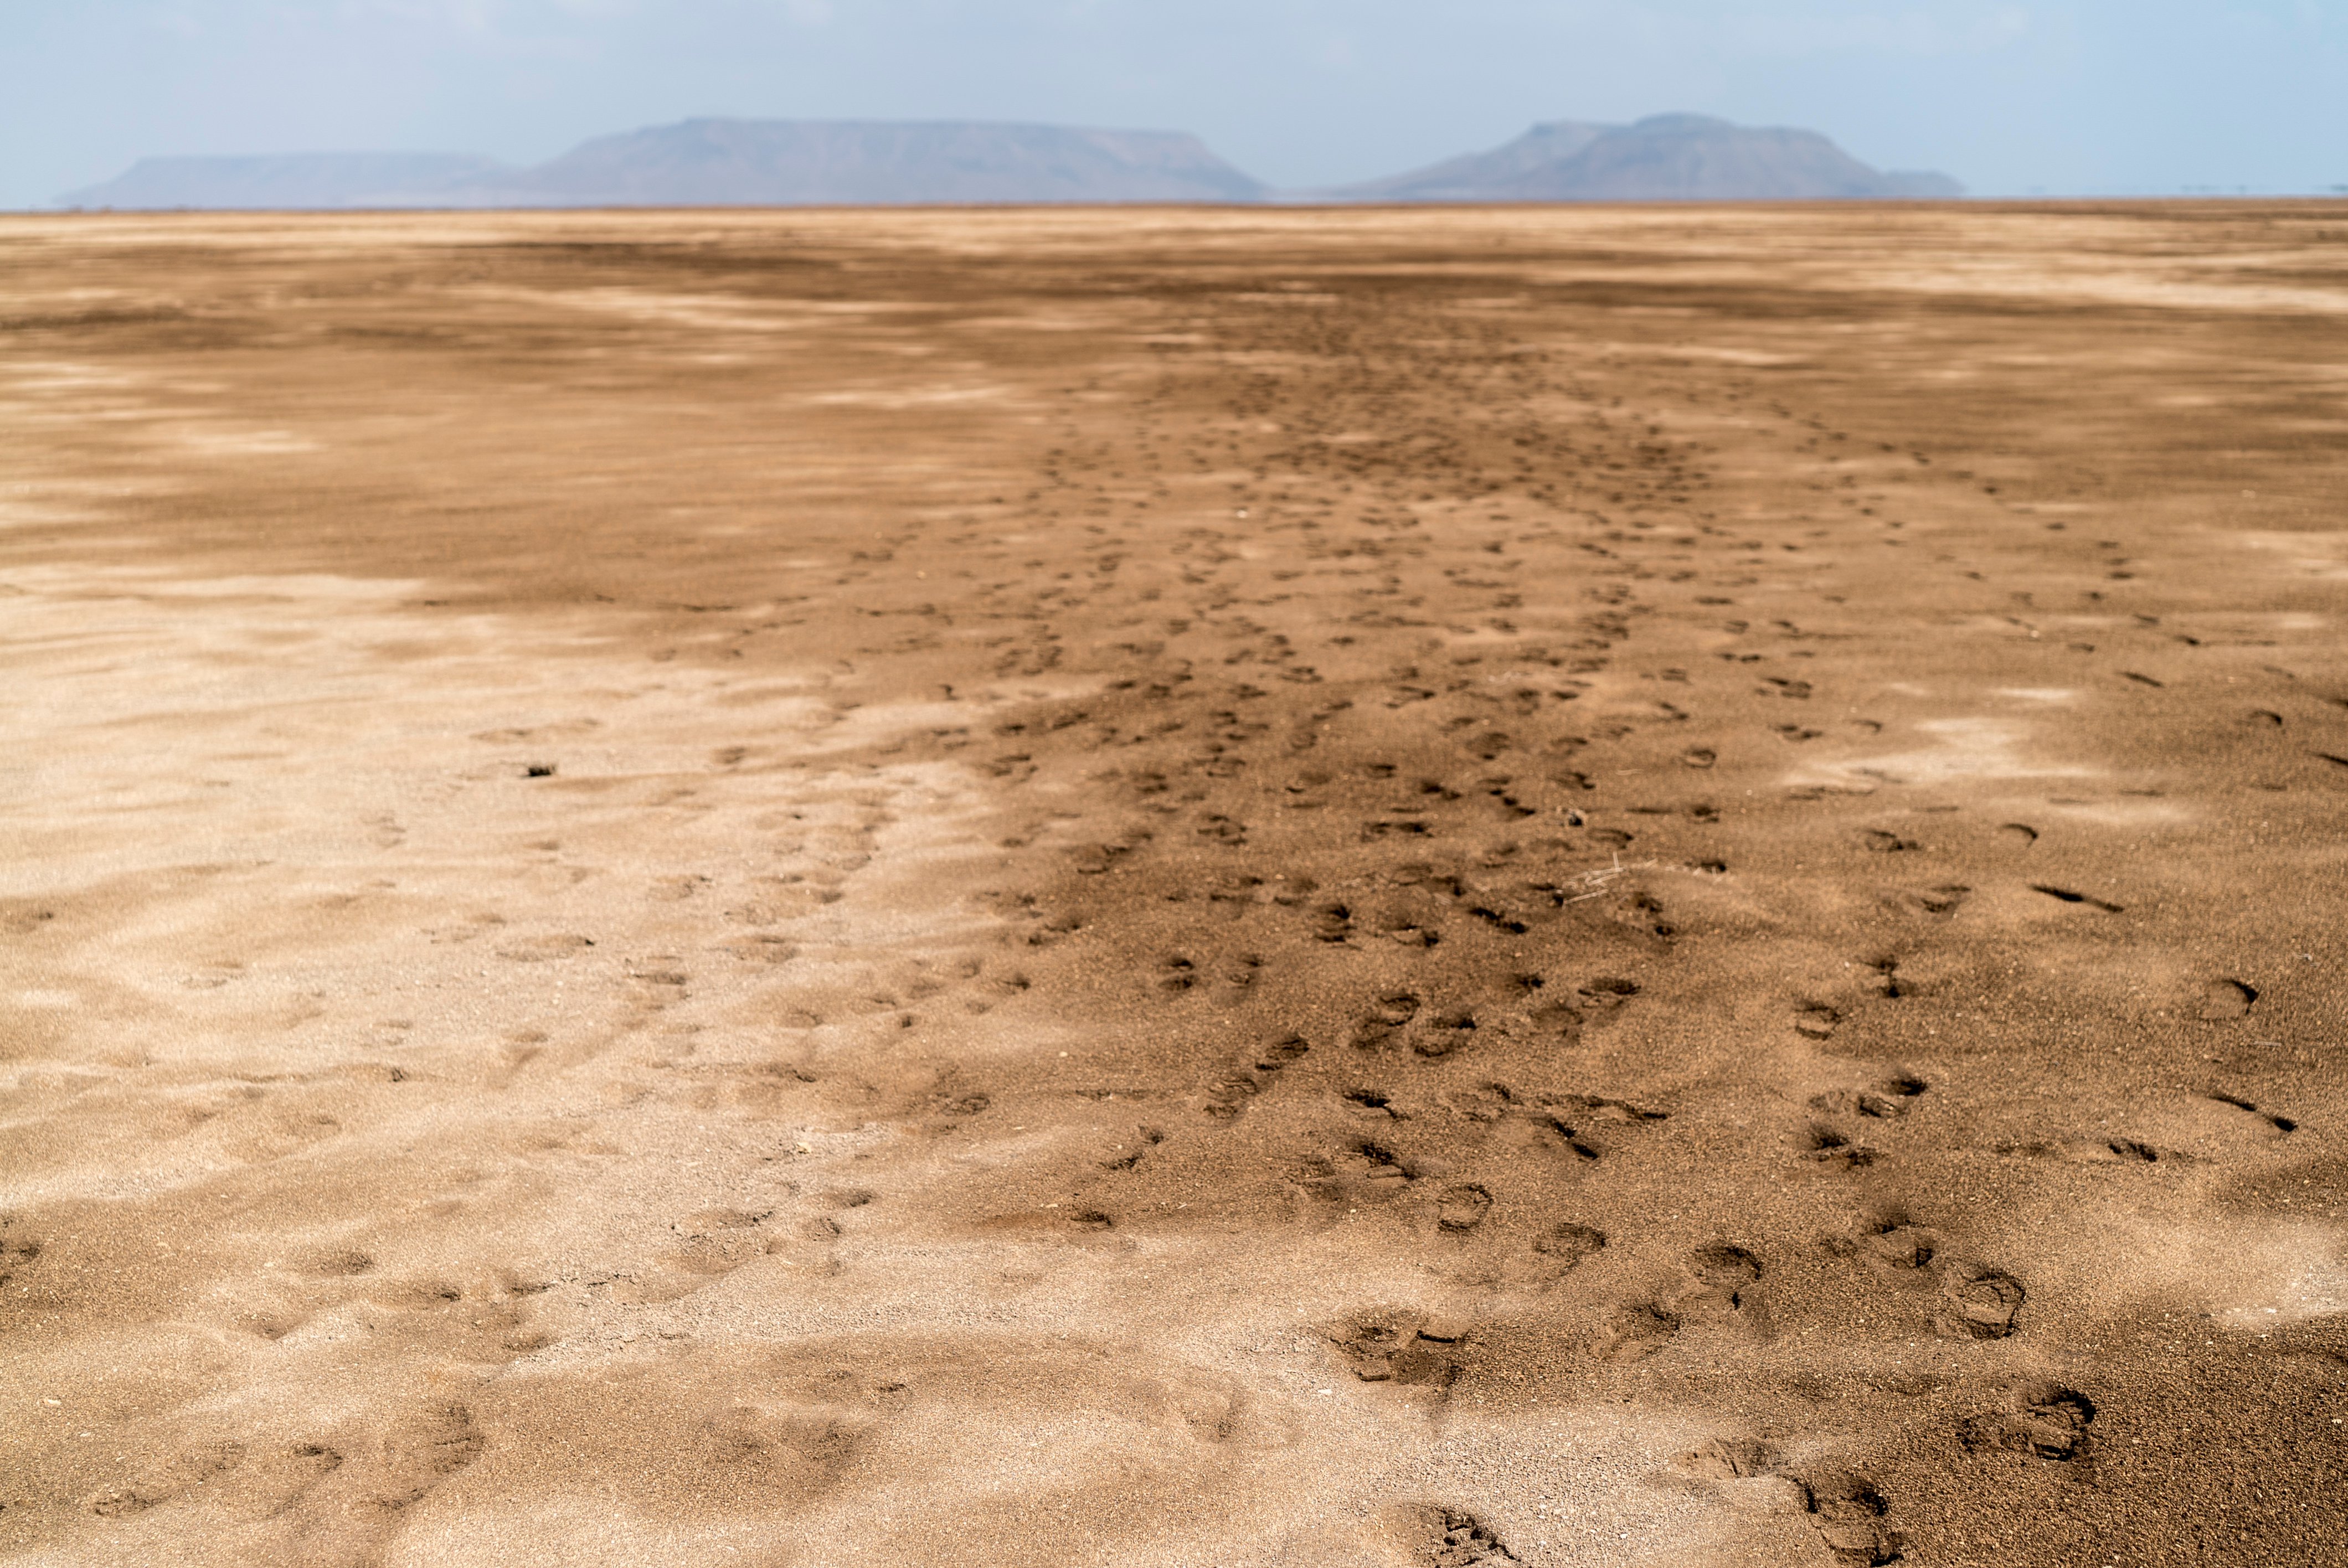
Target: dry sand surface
1275,887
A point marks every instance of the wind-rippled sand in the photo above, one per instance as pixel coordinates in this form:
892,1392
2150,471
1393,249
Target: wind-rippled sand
1575,887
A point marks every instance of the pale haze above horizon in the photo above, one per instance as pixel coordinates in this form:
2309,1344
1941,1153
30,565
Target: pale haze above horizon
2143,98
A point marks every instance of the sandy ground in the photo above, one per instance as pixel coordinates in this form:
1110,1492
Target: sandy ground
1426,887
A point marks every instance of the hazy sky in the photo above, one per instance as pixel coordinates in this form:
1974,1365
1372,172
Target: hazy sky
2010,96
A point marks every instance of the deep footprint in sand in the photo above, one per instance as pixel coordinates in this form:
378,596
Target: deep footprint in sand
1830,1149
1568,1244
1281,1050
1333,923
2045,1421
1377,1025
1892,1244
1442,1034
1229,1095
1851,1516
1465,1541
1438,1535
198,1466
1727,1458
1360,1171
425,1452
1977,1303
1943,900
1462,1208
1604,993
1561,1137
1601,1108
1634,1331
1399,1347
2224,1000
1890,1098
1722,1274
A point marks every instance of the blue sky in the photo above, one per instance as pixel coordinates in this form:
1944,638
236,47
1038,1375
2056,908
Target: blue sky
2013,96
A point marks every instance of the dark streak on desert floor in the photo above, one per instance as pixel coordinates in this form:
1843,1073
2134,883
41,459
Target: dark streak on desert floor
1572,886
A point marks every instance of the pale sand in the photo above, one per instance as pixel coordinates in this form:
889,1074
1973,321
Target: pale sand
1598,887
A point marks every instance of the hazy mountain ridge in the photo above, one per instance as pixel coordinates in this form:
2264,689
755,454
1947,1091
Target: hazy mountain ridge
738,162
299,180
1664,157
719,163
1465,178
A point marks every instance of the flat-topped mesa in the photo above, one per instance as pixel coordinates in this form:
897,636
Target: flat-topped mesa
1664,157
724,163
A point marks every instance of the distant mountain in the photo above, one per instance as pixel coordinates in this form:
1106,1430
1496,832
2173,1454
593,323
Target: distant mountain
728,162
787,163
720,163
1665,158
302,180
1471,178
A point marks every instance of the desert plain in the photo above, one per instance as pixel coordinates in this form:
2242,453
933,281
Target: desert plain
1596,885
